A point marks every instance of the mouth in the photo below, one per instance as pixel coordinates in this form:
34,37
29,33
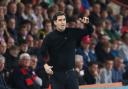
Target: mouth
62,25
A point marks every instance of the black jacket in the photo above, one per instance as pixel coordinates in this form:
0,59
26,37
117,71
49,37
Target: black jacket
60,47
3,83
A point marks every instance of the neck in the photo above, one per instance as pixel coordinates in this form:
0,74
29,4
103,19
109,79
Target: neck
60,30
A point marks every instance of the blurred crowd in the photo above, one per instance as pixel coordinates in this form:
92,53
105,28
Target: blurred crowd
100,58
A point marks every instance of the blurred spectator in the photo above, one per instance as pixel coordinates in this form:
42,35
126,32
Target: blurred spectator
3,47
34,31
77,6
38,12
12,58
79,62
20,12
11,28
92,74
115,48
10,42
23,32
92,50
101,50
61,6
47,29
27,24
28,14
23,47
123,50
111,15
69,11
95,14
11,10
2,12
104,15
118,24
100,28
30,41
118,70
106,51
22,73
52,10
3,84
33,65
103,4
106,72
20,9
112,33
84,50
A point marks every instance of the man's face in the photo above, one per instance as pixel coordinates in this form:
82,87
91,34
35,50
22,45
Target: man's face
60,23
109,65
26,62
24,47
1,11
48,27
94,68
13,8
12,23
3,48
33,62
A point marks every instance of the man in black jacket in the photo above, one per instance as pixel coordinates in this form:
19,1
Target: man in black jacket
60,46
2,81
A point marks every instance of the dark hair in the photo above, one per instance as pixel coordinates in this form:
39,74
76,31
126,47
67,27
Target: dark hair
46,21
59,13
92,63
109,59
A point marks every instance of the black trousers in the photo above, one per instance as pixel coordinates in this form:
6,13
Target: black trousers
64,80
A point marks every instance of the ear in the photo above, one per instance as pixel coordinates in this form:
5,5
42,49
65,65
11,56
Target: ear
55,22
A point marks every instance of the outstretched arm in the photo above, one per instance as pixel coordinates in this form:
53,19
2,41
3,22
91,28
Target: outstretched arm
79,32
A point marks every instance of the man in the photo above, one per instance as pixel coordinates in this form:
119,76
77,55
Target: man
84,50
60,46
3,47
2,81
118,70
106,72
123,50
92,73
33,65
79,62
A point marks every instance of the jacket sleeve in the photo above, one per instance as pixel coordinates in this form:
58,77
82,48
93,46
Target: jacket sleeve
44,49
77,33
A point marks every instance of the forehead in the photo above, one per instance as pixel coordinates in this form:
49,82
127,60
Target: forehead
61,17
109,62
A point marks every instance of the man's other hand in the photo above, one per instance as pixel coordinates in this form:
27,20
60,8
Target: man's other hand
48,69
